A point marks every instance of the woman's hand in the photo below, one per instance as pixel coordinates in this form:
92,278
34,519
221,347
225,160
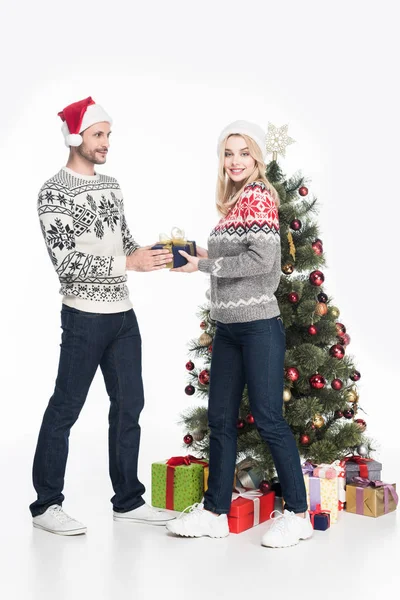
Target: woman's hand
191,266
201,252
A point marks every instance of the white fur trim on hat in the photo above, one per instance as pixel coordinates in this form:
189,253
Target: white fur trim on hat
255,132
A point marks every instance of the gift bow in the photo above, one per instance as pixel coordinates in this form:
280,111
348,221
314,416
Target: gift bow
362,482
308,468
178,461
360,461
251,495
177,237
317,511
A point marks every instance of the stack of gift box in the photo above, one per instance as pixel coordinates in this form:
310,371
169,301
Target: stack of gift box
353,482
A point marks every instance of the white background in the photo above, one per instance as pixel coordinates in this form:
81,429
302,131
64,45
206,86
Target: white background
173,74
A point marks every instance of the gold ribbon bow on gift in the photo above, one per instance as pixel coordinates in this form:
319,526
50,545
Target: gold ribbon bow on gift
177,238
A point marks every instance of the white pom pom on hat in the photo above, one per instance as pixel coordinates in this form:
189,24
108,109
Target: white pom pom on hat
79,116
252,130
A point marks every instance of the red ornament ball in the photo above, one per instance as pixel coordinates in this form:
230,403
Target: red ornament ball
337,384
265,486
204,377
296,224
355,376
317,381
344,339
304,439
317,278
189,390
203,325
340,328
337,351
188,439
292,373
317,247
361,423
348,413
190,365
303,191
293,297
312,330
250,419
338,414
210,348
240,423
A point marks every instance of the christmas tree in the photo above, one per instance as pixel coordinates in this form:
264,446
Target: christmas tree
321,399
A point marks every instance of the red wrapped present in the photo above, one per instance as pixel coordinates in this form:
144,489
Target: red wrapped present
249,508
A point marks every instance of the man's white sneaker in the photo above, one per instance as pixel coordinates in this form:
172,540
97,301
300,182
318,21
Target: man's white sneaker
287,530
55,520
195,521
144,514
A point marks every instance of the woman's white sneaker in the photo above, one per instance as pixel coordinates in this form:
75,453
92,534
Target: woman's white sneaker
195,521
287,530
144,514
55,520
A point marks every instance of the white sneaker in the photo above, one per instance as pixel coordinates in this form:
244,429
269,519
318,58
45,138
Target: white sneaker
198,522
287,530
144,514
55,520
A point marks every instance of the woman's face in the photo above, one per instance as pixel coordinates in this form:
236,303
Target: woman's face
238,163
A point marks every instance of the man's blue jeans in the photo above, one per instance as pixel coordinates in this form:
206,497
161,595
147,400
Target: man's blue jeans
251,353
88,340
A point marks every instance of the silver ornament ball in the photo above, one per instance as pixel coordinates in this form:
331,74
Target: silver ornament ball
362,450
198,435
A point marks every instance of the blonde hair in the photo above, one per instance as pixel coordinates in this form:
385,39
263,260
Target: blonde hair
227,195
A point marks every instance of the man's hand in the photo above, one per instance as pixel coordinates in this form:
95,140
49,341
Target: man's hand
201,252
190,267
146,259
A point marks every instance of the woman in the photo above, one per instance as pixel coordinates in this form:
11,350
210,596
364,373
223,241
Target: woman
244,262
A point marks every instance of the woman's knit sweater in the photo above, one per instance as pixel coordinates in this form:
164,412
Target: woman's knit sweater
244,259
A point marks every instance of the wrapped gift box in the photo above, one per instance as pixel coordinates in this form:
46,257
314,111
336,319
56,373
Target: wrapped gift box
249,508
335,470
367,468
320,520
178,482
247,476
175,243
323,492
371,498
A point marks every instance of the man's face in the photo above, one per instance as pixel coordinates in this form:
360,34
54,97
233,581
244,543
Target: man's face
96,141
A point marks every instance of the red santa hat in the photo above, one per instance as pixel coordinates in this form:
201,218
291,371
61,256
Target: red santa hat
79,116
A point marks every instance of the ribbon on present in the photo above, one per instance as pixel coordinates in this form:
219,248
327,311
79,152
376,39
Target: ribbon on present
360,461
308,468
317,511
363,483
253,495
178,461
177,238
325,471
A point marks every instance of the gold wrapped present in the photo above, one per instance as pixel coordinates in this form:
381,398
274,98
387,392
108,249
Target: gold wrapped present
174,243
371,498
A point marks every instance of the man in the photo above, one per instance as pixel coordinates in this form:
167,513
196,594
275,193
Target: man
83,223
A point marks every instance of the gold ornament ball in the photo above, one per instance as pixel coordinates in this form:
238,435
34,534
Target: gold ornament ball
352,395
335,312
205,339
321,309
288,268
287,395
319,421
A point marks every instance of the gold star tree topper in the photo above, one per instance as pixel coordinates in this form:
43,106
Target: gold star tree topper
278,140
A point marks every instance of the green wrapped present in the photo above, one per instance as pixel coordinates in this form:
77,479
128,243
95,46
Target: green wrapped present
178,482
